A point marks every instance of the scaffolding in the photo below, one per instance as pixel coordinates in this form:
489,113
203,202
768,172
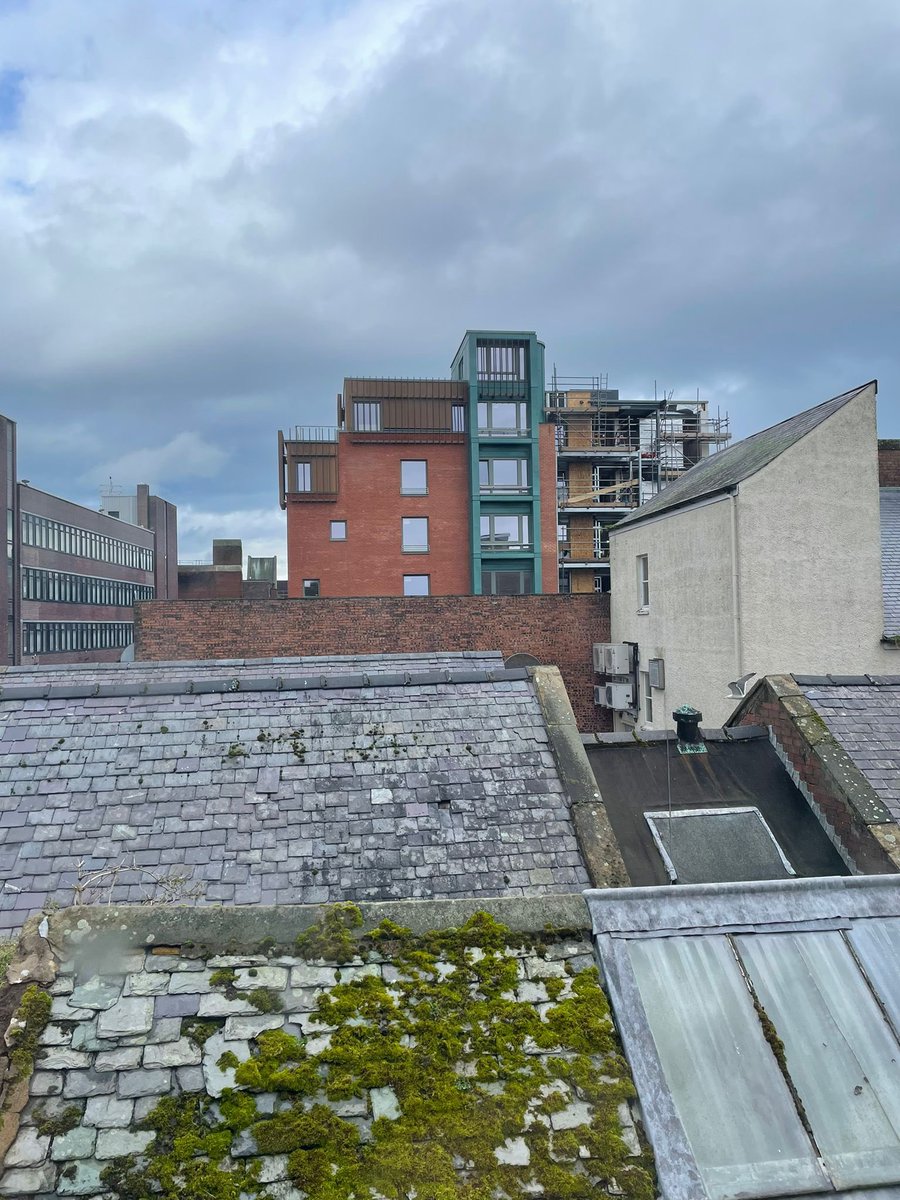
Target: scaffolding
614,455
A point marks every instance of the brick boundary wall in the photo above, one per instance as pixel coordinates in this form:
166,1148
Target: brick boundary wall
838,794
556,630
889,463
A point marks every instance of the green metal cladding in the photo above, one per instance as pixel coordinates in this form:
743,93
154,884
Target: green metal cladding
503,367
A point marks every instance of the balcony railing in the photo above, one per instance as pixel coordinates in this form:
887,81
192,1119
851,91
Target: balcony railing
312,433
502,545
501,433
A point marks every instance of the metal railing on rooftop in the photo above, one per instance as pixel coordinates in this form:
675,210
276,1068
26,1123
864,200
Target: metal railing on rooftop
313,433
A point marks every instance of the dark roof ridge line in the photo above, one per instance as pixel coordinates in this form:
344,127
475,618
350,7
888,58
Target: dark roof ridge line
268,683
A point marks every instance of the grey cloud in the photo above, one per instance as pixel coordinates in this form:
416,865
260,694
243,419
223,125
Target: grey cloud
694,192
150,140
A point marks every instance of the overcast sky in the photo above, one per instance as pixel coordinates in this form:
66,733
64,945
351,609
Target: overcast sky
213,210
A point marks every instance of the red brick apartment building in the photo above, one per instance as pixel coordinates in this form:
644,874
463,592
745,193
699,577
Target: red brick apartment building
428,487
73,574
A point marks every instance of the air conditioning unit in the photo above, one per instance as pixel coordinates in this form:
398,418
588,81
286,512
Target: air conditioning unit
656,668
612,658
618,696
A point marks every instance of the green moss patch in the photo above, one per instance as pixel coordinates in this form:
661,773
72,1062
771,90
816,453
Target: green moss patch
450,1067
31,1020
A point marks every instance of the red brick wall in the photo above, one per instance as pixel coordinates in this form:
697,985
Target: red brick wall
371,562
855,836
889,464
557,630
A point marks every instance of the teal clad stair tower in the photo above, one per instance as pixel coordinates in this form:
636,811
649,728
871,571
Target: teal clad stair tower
505,373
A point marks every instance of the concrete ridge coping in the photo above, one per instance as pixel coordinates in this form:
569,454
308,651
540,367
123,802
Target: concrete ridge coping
271,683
593,832
806,681
246,927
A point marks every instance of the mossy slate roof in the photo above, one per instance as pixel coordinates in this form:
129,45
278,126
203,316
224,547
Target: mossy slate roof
304,781
863,713
729,467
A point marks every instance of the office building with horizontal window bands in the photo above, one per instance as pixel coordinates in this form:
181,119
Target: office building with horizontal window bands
74,574
428,486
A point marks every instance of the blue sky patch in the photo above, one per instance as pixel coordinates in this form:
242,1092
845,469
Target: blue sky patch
12,90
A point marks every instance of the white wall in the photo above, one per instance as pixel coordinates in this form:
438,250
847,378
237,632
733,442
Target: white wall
689,622
808,566
809,549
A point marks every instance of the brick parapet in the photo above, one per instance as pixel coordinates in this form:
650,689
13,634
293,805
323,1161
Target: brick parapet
844,802
889,463
556,630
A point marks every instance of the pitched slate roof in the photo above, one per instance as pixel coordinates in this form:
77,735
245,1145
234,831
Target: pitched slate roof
289,781
729,467
863,713
890,559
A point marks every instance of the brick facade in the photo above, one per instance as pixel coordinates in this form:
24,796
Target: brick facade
371,561
557,630
889,463
801,737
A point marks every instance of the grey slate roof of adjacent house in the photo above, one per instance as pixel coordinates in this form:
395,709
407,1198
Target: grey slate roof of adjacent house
729,467
288,781
863,714
890,559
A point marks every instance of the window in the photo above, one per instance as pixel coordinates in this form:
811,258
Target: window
458,415
84,543
367,416
503,474
643,582
310,588
65,588
503,418
339,531
415,534
598,582
505,531
60,637
774,1044
716,845
304,477
416,585
601,540
501,361
648,697
506,583
705,1028
414,477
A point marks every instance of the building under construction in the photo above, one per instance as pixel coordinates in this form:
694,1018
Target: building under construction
613,455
